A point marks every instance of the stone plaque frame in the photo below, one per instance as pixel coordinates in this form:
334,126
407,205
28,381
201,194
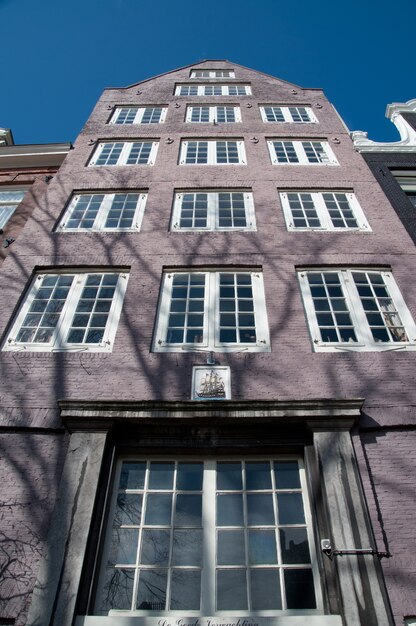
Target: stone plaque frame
211,382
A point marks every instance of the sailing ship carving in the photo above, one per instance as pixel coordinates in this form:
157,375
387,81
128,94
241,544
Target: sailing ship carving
211,386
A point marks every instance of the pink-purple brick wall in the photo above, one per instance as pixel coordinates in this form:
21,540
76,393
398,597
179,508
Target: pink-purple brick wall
32,383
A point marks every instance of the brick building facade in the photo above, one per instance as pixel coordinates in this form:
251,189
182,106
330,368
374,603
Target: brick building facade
24,173
207,344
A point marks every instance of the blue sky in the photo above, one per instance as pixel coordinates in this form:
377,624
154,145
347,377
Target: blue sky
58,55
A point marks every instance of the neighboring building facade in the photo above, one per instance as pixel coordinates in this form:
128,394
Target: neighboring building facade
25,171
208,337
394,164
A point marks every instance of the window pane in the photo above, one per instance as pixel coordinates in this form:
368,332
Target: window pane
132,475
117,591
262,547
265,589
230,547
189,476
187,547
260,509
188,510
161,475
123,546
295,547
232,590
300,593
151,593
158,509
155,547
287,475
229,476
258,476
186,590
129,509
230,510
290,508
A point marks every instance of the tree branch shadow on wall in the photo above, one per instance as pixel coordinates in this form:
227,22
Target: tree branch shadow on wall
133,372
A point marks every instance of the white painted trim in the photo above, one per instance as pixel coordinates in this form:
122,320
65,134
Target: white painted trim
106,204
407,141
206,73
301,154
323,215
124,154
57,341
365,341
226,90
212,151
212,211
287,114
140,111
210,340
212,114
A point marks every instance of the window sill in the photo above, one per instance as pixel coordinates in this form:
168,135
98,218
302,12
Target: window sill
319,347
51,350
216,349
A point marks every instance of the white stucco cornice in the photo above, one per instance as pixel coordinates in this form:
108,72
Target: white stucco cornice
6,137
394,112
33,155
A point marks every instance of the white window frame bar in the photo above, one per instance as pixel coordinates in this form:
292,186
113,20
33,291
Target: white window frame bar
224,89
139,114
209,541
323,213
212,74
212,152
124,154
8,207
300,152
213,113
288,119
213,211
57,343
365,341
101,217
211,314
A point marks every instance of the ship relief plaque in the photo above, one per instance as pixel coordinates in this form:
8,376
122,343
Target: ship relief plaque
211,383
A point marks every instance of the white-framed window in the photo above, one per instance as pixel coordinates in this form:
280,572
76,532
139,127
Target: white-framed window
303,152
120,211
209,537
212,152
139,115
356,309
69,311
125,153
288,114
213,90
213,114
218,310
10,198
202,209
212,74
407,181
323,210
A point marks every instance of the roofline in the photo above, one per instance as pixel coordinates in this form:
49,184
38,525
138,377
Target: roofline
183,67
35,148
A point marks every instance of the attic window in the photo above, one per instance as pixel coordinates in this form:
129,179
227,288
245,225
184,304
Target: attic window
212,74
